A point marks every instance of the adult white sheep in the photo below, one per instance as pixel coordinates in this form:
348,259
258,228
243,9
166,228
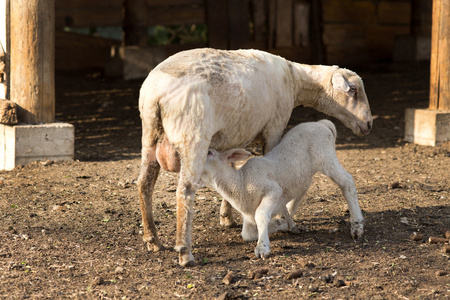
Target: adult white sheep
264,185
206,98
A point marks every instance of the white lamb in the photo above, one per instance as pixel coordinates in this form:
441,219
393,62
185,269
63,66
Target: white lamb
264,185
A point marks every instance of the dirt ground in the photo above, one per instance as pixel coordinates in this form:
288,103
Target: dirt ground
73,229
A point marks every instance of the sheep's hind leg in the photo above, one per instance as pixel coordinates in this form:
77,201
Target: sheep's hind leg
185,211
146,183
345,182
263,215
249,230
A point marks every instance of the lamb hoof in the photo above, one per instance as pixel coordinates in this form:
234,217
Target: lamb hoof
357,230
227,222
262,251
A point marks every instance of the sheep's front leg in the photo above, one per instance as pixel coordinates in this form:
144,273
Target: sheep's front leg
226,211
146,183
263,215
345,182
226,214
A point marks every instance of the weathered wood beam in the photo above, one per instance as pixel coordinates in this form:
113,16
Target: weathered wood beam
440,53
134,25
32,59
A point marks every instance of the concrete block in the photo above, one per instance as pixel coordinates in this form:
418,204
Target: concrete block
427,126
22,144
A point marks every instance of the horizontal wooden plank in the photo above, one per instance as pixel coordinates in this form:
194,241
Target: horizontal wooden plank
362,35
86,4
344,34
349,11
176,16
347,56
355,44
80,52
88,17
174,2
394,12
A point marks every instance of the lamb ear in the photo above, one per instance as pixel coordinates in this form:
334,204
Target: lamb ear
339,83
234,155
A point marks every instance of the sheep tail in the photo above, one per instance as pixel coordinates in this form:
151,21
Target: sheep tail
330,126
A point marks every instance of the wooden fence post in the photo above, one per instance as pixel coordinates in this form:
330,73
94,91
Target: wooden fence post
432,126
32,82
440,56
33,59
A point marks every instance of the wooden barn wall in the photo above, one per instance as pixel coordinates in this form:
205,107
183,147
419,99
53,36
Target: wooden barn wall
90,13
359,31
345,32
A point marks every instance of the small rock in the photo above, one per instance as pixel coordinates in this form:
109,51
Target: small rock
310,264
340,283
404,220
327,278
228,279
58,207
123,184
394,185
313,288
119,270
98,281
440,273
334,230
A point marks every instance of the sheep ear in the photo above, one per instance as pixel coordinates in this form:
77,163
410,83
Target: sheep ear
339,82
234,155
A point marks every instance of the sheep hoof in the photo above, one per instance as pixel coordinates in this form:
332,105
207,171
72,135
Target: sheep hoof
227,222
154,248
153,244
186,259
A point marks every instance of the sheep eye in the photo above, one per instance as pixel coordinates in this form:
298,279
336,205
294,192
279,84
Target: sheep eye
210,153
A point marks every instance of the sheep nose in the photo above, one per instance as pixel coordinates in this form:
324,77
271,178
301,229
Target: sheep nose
369,125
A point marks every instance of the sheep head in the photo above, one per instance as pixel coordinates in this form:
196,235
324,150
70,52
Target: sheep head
349,101
221,162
